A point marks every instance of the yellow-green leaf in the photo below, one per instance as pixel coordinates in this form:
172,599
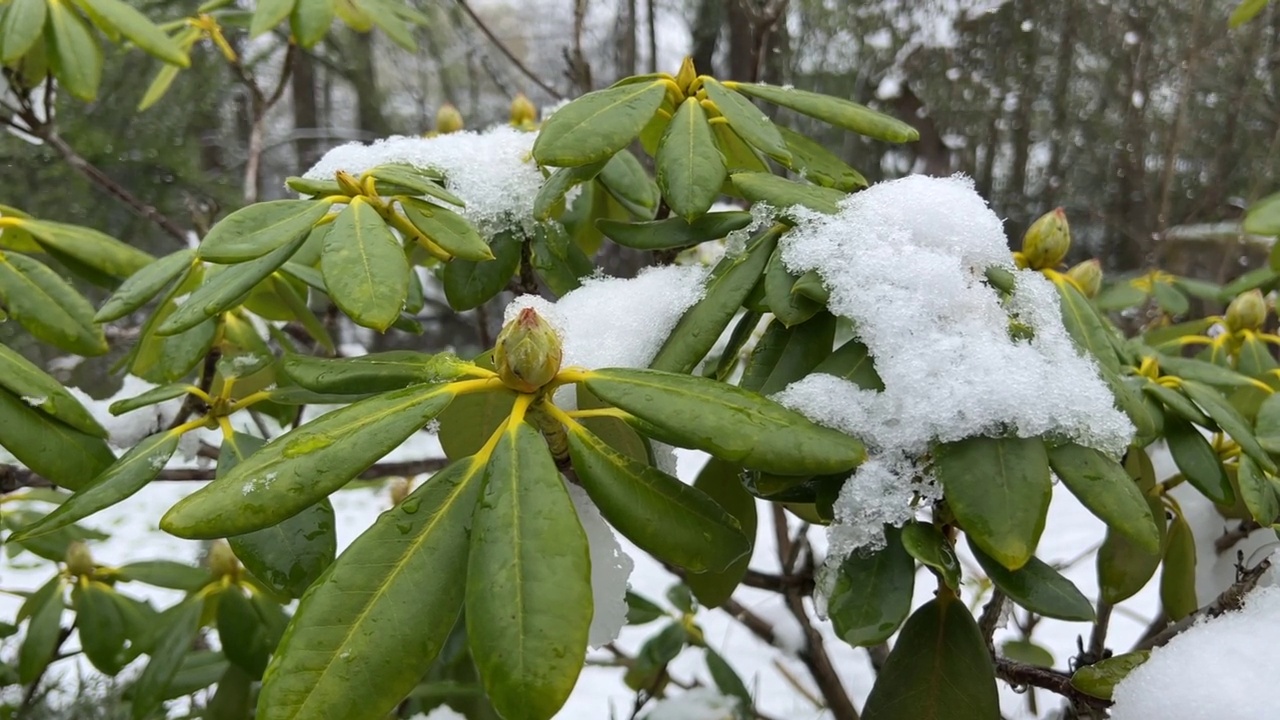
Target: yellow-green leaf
1102,485
597,125
748,121
137,28
21,25
48,307
690,169
42,392
75,56
364,267
447,229
257,229
269,13
836,111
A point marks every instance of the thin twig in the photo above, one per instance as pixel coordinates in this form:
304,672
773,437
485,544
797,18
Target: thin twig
1231,600
991,617
1020,674
1229,538
502,48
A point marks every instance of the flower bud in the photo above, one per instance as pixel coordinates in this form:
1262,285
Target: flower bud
79,559
221,560
349,184
1247,312
527,354
400,488
687,75
1047,240
448,119
523,111
1088,277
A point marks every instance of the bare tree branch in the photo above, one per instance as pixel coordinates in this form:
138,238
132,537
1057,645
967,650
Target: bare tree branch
506,52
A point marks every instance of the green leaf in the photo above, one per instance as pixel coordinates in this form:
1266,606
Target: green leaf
781,193
1178,403
150,397
392,18
303,466
1086,328
58,452
138,29
731,356
125,477
872,592
939,669
726,421
1203,372
738,155
310,21
701,325
748,121
165,574
625,180
412,558
447,229
1025,651
175,641
232,700
721,482
36,388
1230,420
48,307
558,260
646,673
926,543
1170,299
269,13
690,170
1178,578
672,521
1198,461
727,681
372,373
835,111
816,164
1102,485
257,229
1263,217
164,359
999,490
1100,679
469,421
784,355
852,361
468,285
160,84
21,25
143,285
673,232
43,633
101,625
243,634
287,557
1257,492
641,610
1037,587
223,290
528,599
364,267
75,57
791,308
597,125
1246,11
98,251
550,198
1267,424
1123,567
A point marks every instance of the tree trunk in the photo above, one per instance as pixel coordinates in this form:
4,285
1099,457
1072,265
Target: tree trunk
306,121
706,33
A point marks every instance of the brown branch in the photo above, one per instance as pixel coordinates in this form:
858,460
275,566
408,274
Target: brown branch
1231,600
756,624
1019,674
991,617
1235,535
506,52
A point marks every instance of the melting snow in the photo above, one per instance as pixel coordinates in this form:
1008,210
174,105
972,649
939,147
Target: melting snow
695,704
610,568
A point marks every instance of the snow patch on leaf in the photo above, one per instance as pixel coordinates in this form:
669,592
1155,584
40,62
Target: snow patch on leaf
610,569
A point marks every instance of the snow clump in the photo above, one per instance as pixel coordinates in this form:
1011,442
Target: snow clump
905,261
696,704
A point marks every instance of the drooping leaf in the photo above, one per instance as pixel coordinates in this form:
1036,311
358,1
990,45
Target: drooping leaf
999,490
726,421
784,355
557,259
139,30
528,597
872,592
144,285
625,180
759,187
674,522
467,284
939,669
303,466
245,638
61,453
174,641
447,229
819,165
39,390
1198,461
372,373
21,25
255,230
48,307
1102,485
1257,492
1101,678
1037,587
836,111
1178,577
721,482
43,630
789,307
673,232
101,625
165,574
269,13
690,170
354,619
365,267
310,21
925,542
748,121
74,54
597,125
1230,420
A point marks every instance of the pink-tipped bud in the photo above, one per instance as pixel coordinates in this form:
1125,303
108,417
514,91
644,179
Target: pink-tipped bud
528,353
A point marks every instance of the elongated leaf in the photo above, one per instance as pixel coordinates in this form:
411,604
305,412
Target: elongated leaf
852,361
1037,587
469,421
1230,420
558,260
690,170
1101,678
1086,328
303,466
1102,485
61,453
836,111
36,388
269,13
165,574
747,120
150,397
21,25
137,28
701,325
738,155
673,232
676,523
1203,372
99,251
782,193
791,308
375,372
528,594
1178,578
468,284
447,229
223,290
41,641
939,669
1123,567
101,625
597,125
364,267
1267,424
48,307
818,165
625,180
550,199
74,54
925,542
174,642
144,285
872,593
784,355
1263,217
721,482
1198,461
1257,493
999,490
257,229
125,477
726,421
1179,404
244,636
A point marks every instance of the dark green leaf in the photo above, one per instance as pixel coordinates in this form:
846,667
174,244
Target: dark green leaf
48,307
74,54
559,262
791,308
1101,678
721,481
852,361
1257,493
926,543
372,373
782,193
1178,578
550,198
43,634
626,181
468,284
690,170
1086,328
1037,587
36,388
364,267
143,285
748,121
1230,420
101,625
447,229
1198,461
646,673
175,641
1102,485
256,230
61,453
165,574
872,592
818,165
673,232
641,610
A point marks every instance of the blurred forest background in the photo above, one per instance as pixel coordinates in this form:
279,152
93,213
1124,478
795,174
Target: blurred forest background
1150,121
